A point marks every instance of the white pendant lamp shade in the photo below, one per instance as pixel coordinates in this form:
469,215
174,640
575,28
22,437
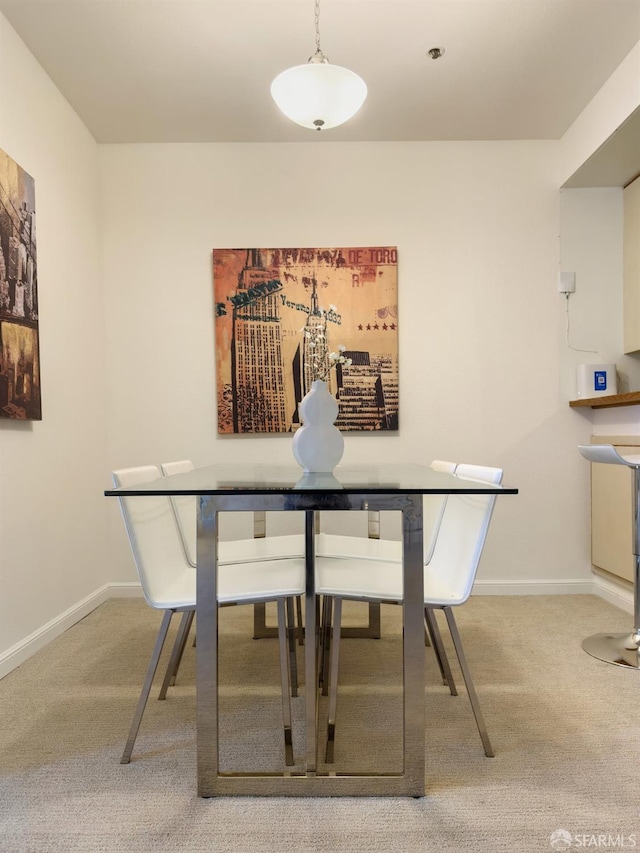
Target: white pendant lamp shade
319,95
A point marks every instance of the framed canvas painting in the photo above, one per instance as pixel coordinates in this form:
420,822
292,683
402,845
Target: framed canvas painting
267,300
19,341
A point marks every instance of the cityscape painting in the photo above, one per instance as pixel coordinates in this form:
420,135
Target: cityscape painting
19,344
266,299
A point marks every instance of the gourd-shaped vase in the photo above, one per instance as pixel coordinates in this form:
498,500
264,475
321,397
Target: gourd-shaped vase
318,445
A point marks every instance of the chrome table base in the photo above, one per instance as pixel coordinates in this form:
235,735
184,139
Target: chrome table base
369,631
619,649
312,781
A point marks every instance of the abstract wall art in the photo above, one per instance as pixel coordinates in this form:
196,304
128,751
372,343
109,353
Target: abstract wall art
264,301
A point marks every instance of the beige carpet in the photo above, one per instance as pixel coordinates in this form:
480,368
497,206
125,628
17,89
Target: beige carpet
564,727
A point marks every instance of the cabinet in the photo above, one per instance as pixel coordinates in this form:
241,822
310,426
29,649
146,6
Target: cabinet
631,266
612,511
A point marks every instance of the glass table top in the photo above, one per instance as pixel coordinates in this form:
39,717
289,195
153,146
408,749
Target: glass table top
251,479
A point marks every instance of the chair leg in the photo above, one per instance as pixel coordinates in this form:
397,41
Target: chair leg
291,641
333,678
325,644
184,646
177,652
286,685
438,648
473,697
318,622
300,620
146,687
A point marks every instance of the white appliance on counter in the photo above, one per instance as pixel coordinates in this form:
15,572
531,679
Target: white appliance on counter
596,380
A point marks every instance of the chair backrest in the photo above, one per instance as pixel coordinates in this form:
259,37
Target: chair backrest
153,534
184,508
433,510
442,465
462,534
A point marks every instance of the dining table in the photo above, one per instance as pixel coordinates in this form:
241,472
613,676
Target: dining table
248,487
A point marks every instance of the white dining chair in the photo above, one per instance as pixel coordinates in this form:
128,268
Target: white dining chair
449,574
260,547
245,550
169,584
375,548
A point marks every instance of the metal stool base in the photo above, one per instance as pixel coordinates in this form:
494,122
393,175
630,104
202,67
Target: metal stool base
618,649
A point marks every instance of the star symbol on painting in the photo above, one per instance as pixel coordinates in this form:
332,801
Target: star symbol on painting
384,327
359,327
376,327
392,326
368,327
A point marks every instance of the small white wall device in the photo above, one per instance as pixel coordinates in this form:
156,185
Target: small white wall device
566,282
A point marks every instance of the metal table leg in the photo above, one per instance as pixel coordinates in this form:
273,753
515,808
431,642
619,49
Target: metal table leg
207,649
413,646
310,650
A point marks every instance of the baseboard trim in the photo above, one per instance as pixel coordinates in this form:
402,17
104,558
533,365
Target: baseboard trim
22,651
568,586
620,595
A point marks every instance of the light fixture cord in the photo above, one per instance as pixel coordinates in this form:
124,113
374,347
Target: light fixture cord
317,19
318,56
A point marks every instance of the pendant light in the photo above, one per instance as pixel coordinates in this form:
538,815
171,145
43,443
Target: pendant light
318,95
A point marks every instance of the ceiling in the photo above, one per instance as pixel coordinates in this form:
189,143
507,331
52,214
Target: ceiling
200,70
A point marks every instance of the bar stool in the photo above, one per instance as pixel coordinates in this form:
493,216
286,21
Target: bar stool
619,649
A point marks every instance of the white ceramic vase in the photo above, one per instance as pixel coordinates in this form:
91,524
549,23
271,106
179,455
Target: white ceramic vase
318,445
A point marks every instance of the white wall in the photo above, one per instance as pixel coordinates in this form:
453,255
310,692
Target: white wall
52,517
476,229
591,246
